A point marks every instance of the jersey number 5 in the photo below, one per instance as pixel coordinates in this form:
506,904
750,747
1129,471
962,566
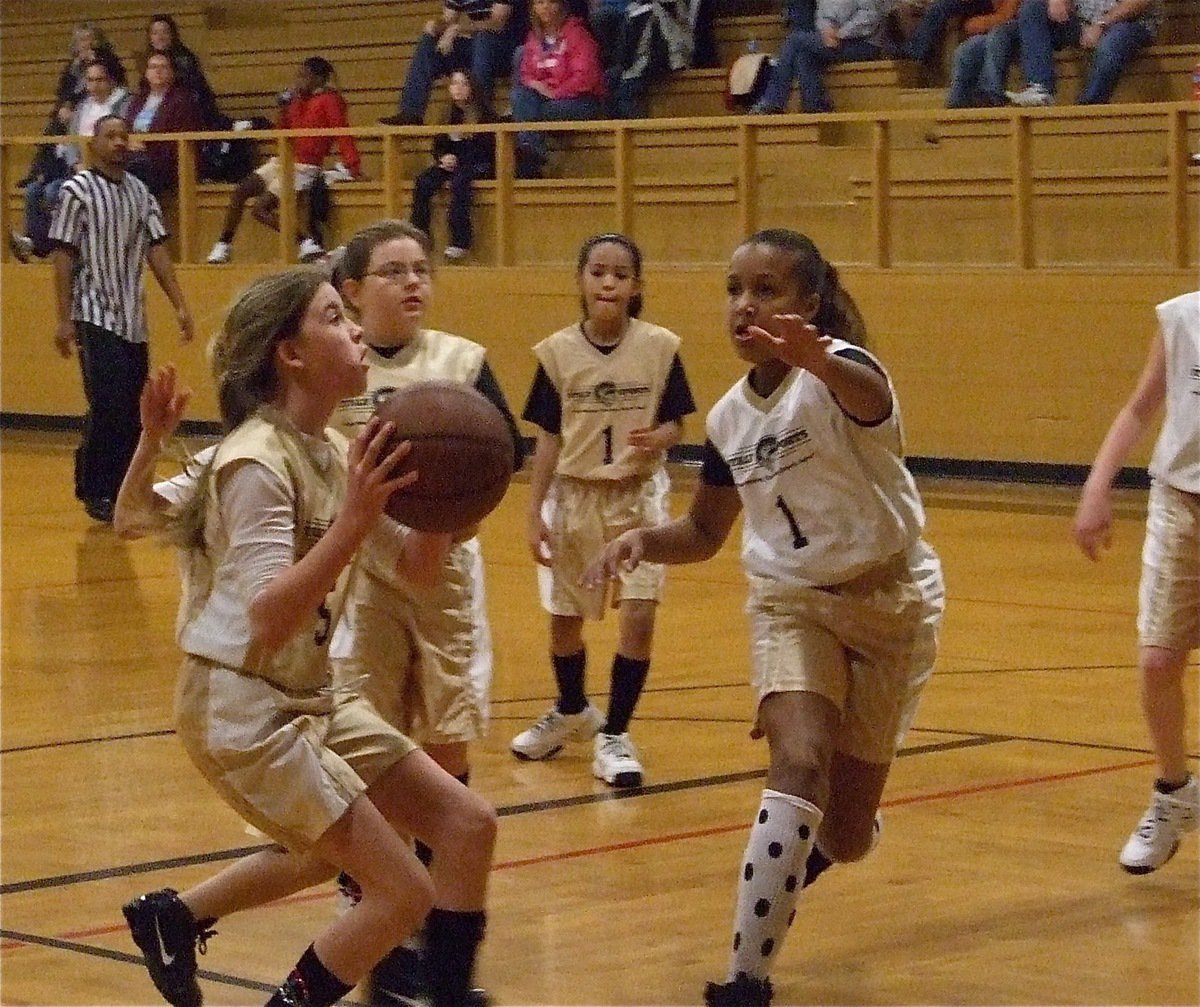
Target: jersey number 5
798,539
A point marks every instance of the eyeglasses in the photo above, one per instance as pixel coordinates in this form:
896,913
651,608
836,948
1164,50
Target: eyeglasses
393,272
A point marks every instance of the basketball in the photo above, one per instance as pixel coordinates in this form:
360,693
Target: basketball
462,448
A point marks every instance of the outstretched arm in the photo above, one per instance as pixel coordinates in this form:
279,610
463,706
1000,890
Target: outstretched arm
695,537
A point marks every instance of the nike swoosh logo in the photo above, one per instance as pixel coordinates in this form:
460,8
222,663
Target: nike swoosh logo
162,946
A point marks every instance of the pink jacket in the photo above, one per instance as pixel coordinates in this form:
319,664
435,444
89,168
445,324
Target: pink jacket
570,67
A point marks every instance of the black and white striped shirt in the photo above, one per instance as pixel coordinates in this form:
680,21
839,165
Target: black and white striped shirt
110,225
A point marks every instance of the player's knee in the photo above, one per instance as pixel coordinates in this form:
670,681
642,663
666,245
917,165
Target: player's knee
798,766
845,845
475,827
1161,665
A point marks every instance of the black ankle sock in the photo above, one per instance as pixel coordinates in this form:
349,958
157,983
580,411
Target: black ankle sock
568,673
452,939
816,865
227,237
1169,787
310,984
628,677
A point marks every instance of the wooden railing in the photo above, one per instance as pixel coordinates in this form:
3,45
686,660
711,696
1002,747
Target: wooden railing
746,135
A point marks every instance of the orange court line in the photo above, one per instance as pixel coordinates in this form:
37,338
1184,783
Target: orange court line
674,837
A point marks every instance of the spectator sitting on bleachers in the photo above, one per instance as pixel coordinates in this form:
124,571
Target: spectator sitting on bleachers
475,35
103,98
846,30
311,104
1113,30
162,105
460,159
560,79
981,62
162,36
924,44
88,43
639,42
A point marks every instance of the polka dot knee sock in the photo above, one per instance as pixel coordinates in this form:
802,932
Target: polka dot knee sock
772,875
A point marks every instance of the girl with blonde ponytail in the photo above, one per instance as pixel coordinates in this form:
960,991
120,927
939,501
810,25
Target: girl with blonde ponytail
271,526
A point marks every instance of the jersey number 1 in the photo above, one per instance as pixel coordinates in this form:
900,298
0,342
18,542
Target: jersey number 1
608,445
798,539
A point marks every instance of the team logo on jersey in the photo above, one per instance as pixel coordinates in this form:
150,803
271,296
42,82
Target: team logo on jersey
379,395
770,455
609,396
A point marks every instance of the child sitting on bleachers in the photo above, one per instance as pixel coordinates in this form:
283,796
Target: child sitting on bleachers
311,104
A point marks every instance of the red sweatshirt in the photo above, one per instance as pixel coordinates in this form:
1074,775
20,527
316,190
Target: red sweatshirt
570,66
319,110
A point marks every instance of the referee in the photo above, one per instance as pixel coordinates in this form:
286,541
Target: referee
106,226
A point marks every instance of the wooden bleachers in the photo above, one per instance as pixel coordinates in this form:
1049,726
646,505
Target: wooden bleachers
815,169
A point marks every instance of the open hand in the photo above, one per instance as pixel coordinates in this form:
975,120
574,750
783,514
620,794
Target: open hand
621,555
162,403
794,340
373,459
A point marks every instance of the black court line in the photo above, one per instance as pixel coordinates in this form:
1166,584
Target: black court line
661,690
129,959
507,811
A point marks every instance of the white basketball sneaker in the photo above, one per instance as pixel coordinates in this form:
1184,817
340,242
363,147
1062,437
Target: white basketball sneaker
1157,835
616,761
220,253
553,730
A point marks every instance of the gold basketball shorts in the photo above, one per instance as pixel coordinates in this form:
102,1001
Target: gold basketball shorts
866,645
290,765
584,516
1169,593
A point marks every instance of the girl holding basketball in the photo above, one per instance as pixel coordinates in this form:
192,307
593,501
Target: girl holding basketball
608,399
845,596
423,654
269,526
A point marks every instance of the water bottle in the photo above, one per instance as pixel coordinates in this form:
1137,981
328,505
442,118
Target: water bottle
1196,82
752,48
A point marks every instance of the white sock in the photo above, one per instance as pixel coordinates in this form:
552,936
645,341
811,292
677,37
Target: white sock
772,874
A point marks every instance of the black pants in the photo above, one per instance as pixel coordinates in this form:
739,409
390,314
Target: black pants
427,183
114,371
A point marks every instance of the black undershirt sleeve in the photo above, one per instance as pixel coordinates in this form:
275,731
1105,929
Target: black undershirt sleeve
713,468
543,408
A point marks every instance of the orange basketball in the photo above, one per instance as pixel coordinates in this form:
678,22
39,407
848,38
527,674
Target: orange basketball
462,448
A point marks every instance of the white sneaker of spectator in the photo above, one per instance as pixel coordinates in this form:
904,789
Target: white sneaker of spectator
338,173
1034,96
220,253
310,250
453,253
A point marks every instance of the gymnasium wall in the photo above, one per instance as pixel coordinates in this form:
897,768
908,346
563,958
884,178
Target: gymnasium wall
991,365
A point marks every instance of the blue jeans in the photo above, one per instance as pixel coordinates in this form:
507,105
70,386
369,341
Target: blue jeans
486,54
932,25
980,71
40,200
1040,37
802,59
529,106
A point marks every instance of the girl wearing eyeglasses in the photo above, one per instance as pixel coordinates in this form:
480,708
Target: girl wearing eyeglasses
423,655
